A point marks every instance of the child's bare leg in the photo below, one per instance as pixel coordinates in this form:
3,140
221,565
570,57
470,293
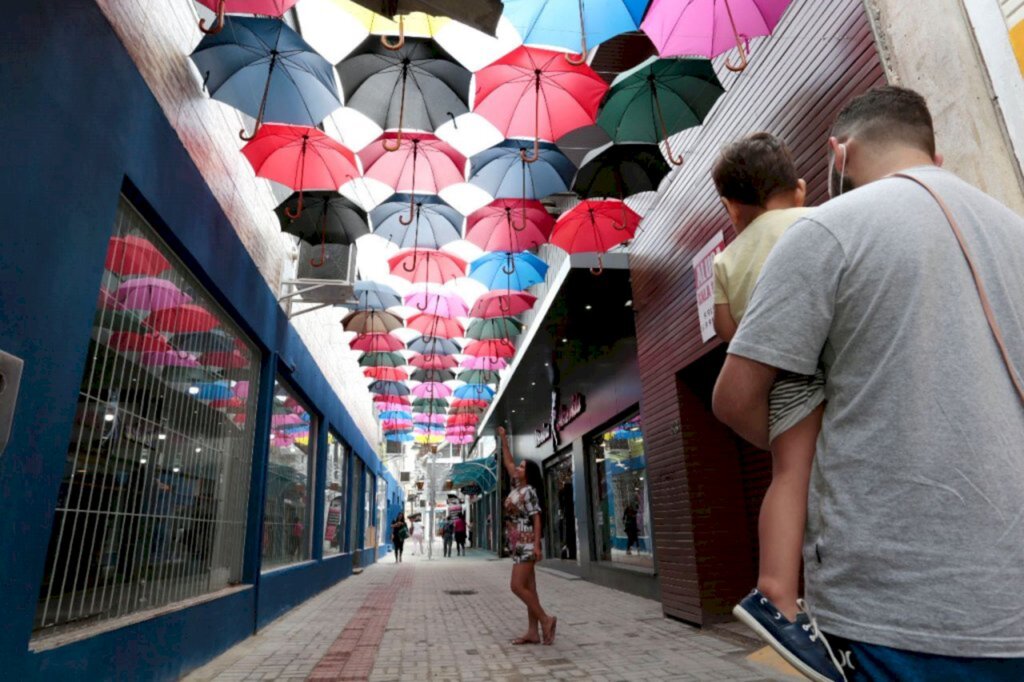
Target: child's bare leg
784,513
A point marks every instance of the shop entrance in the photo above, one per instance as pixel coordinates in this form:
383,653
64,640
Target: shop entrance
561,514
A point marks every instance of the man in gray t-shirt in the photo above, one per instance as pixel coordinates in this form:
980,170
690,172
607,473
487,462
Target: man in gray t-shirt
915,532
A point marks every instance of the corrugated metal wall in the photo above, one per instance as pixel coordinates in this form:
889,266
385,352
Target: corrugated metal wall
705,489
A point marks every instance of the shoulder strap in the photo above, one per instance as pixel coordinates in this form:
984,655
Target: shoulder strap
985,305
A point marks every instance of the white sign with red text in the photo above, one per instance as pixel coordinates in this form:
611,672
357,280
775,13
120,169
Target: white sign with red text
704,275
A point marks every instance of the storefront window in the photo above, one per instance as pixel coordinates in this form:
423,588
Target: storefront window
287,512
355,501
382,512
152,506
370,534
622,524
334,496
561,512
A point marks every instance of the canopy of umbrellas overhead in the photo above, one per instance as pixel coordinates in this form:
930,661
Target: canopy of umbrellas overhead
432,355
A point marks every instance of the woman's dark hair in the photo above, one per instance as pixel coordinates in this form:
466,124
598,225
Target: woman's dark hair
535,478
400,517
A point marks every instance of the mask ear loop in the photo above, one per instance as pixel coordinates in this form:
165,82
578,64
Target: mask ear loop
842,169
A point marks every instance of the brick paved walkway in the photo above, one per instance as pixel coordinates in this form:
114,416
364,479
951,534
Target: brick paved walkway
451,619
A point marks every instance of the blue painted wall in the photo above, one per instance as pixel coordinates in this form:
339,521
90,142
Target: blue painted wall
80,126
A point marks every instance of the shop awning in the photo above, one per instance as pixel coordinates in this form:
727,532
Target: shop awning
481,472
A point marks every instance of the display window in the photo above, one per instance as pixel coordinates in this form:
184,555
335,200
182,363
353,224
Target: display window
561,510
334,496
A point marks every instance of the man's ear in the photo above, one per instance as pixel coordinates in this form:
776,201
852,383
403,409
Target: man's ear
800,193
733,209
939,159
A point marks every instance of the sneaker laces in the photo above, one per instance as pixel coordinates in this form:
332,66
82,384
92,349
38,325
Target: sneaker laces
815,634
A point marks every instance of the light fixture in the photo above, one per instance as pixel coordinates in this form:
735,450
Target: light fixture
522,397
565,340
108,417
199,449
162,436
545,364
513,411
193,390
143,460
629,303
176,469
280,398
600,459
533,383
589,307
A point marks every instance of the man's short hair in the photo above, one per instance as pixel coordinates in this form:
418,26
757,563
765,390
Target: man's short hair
751,170
888,114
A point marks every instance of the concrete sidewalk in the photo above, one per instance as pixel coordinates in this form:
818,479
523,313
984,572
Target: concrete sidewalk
452,619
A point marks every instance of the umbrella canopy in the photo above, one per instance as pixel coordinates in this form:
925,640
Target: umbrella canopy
232,360
483,15
382,360
536,93
510,225
502,303
401,401
200,342
468,419
430,418
434,222
180,366
265,69
396,424
468,409
432,389
710,27
376,343
433,345
130,256
376,295
431,361
432,439
386,373
478,403
435,325
442,304
594,226
573,24
183,318
412,23
149,293
437,375
493,348
389,388
502,171
506,270
479,376
615,171
658,98
430,404
417,85
494,328
484,362
371,322
475,392
134,342
212,390
329,218
274,8
427,265
421,163
395,414
399,437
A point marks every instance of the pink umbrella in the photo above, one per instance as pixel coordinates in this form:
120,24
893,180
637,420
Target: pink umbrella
429,418
512,225
483,362
285,420
281,440
241,389
273,8
441,304
376,343
710,27
431,389
502,303
133,342
233,360
460,440
169,359
434,325
427,265
396,424
595,226
150,293
413,162
433,362
494,348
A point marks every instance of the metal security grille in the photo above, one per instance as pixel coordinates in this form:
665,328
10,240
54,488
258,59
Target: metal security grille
334,496
152,506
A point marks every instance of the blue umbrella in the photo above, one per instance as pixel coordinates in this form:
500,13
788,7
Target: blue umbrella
433,345
399,437
501,171
395,414
434,223
389,388
475,392
213,390
503,270
559,22
376,296
265,69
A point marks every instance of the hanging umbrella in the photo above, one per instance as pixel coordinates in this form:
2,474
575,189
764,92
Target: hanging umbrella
129,256
384,359
434,223
506,270
179,366
329,218
430,404
593,226
399,437
416,85
390,388
119,320
467,419
150,293
427,265
198,342
371,322
376,296
232,360
494,328
537,94
468,409
492,348
461,440
429,418
183,318
422,163
573,24
474,392
659,98
376,343
616,171
432,389
395,414
435,325
436,375
265,69
479,403
432,439
212,390
415,24
710,27
430,361
483,15
301,158
493,227
501,171
404,402
386,373
502,303
433,345
441,304
479,376
270,8
133,342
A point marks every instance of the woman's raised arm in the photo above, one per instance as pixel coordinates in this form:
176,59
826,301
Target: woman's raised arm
506,453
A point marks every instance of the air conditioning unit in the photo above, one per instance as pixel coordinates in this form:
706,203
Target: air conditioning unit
405,476
394,448
324,277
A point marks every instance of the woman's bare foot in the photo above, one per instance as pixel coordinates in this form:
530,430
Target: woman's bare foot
528,638
549,630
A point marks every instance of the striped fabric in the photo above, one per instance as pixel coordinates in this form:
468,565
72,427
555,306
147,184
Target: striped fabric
793,397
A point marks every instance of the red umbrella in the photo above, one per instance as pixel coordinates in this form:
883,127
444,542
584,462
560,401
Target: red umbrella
300,157
392,400
531,92
271,8
386,373
420,162
434,325
133,342
493,348
502,303
465,418
233,402
467,410
595,226
182,319
427,265
433,362
376,343
470,402
134,256
513,225
232,360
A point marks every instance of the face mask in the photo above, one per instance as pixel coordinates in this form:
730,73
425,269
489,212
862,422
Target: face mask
838,183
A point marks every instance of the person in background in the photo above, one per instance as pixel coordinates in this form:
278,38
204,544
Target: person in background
459,527
399,532
417,533
447,535
523,531
632,529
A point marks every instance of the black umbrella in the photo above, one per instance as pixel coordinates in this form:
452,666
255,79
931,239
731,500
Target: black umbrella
203,342
482,15
437,375
418,85
619,170
326,218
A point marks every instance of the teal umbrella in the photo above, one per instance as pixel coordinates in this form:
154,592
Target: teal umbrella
494,328
382,360
435,404
479,376
659,98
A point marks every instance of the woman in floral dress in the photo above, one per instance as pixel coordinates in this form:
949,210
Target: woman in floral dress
523,534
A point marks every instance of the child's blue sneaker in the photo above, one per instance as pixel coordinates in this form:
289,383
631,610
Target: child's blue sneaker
799,642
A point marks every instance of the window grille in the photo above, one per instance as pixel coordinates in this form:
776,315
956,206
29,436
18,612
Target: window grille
370,534
152,505
334,496
355,501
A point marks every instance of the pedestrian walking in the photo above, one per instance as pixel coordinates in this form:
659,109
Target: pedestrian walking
459,528
447,536
523,531
632,529
399,532
907,289
417,533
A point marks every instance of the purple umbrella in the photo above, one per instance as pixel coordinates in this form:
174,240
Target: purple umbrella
439,304
431,389
150,293
484,362
241,389
710,27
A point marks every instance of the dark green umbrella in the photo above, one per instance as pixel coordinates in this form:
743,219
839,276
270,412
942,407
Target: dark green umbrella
494,328
479,376
658,98
438,375
436,404
382,360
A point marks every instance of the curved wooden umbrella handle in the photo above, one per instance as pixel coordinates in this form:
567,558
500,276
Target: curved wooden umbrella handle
263,101
531,158
504,304
395,146
405,266
218,25
675,160
536,124
412,212
394,47
509,267
739,44
582,58
298,208
600,266
625,219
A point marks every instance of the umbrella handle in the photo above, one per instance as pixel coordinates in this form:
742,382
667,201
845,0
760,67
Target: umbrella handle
401,118
405,266
298,209
676,161
582,59
504,304
536,125
323,241
394,47
389,147
412,212
739,44
455,124
263,102
509,267
218,26
600,265
625,220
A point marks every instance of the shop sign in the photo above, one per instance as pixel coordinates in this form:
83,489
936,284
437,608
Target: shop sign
567,414
704,274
